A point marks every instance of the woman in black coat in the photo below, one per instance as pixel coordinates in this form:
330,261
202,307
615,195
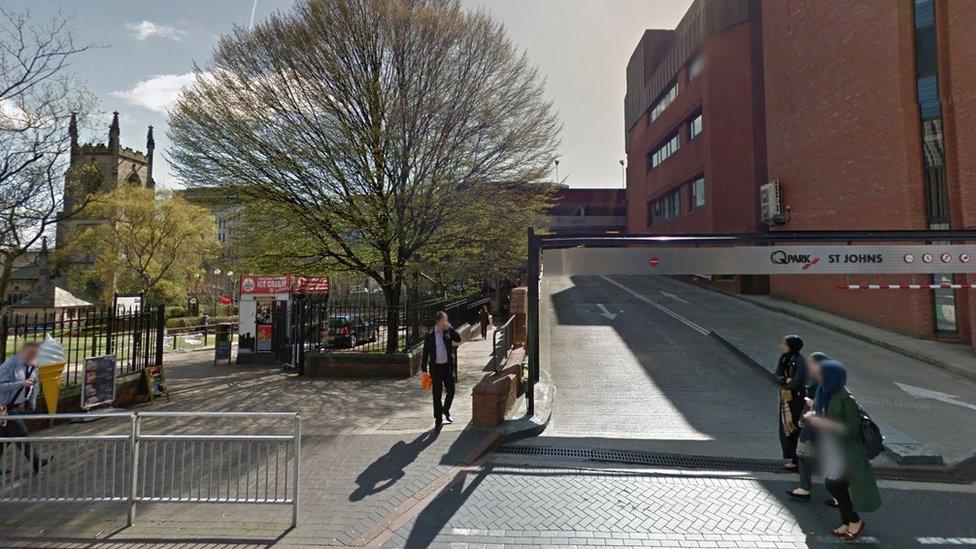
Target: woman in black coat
791,375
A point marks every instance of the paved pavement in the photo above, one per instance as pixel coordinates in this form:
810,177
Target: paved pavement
368,451
648,376
527,504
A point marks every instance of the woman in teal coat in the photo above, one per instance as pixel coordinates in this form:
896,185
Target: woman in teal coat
843,457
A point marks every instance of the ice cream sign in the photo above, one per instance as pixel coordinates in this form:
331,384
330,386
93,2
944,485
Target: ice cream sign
265,284
283,284
50,365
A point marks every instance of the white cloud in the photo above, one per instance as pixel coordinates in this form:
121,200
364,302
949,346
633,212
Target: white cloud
159,92
147,29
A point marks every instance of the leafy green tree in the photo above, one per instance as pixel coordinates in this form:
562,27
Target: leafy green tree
380,132
143,244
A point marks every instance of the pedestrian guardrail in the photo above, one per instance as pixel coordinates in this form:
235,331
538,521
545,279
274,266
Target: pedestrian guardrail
501,343
157,457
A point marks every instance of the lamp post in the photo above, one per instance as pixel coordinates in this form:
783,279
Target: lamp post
216,288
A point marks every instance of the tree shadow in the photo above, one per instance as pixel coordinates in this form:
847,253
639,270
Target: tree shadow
389,468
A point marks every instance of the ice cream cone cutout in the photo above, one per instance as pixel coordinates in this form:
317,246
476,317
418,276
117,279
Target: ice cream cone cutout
51,362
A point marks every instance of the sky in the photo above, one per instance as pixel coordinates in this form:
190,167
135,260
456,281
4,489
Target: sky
145,51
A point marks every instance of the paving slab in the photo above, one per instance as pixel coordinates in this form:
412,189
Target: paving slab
368,447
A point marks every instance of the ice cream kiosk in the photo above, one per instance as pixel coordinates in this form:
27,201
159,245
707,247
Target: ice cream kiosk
265,310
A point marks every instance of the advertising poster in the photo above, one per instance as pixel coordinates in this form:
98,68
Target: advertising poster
263,342
99,386
156,382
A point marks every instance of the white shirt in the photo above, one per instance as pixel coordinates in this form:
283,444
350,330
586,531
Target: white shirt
440,350
20,374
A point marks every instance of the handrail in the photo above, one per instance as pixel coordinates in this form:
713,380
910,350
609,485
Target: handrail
498,357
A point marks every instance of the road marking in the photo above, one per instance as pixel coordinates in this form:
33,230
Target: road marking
672,296
919,392
605,313
658,306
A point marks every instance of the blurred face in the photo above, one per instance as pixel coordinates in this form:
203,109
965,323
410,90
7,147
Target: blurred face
28,354
814,368
443,323
783,347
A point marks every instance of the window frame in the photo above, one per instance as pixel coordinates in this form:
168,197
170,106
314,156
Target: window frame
692,195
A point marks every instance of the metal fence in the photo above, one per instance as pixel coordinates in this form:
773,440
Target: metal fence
134,335
363,326
502,339
192,338
145,462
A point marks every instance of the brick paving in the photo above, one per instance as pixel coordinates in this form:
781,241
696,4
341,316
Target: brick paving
367,449
507,504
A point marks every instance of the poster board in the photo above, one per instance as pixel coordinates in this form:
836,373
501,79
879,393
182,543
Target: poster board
156,382
222,350
98,388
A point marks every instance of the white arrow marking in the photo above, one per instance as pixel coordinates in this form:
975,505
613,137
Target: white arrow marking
672,296
657,306
919,392
605,313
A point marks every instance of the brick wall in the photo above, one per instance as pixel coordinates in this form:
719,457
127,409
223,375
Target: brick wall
726,153
843,139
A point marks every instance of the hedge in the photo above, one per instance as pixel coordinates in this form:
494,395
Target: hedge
188,321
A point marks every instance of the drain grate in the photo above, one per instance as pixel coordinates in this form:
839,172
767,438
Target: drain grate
717,463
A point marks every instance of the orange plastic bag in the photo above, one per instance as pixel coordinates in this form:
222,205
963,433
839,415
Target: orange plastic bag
426,382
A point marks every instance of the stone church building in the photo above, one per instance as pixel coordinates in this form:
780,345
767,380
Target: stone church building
36,285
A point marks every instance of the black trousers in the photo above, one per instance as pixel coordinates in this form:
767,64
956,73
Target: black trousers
484,330
840,489
18,429
443,377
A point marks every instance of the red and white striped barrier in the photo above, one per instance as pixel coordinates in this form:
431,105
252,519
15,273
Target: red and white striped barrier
944,286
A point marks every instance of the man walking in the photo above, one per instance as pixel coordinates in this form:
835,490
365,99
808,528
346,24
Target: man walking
18,395
440,356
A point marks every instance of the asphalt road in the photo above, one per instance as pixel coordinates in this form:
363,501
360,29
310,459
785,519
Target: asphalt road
635,368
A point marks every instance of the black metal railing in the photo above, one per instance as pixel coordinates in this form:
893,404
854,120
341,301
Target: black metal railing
134,335
366,326
501,343
192,338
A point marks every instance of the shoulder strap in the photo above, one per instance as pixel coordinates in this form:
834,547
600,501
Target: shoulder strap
27,375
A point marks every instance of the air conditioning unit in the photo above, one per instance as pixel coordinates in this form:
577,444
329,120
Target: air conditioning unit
771,204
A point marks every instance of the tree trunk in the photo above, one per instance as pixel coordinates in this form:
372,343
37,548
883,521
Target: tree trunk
4,284
391,291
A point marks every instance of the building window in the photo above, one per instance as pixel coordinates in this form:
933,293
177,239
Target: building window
661,153
698,193
667,207
695,67
695,126
663,103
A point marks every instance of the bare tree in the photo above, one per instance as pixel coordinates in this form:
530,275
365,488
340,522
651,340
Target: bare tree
377,127
37,97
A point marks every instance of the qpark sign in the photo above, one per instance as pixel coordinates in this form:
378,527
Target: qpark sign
762,260
283,284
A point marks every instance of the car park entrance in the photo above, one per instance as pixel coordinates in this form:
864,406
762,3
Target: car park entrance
666,344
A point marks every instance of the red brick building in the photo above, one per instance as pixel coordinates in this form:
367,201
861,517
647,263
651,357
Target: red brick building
863,112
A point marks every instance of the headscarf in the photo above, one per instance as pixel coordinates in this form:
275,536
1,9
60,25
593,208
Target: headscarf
819,357
834,377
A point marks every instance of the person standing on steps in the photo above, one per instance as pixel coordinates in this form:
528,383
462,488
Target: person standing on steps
440,359
791,375
843,456
484,317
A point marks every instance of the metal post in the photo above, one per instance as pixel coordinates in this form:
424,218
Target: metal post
298,470
134,459
532,319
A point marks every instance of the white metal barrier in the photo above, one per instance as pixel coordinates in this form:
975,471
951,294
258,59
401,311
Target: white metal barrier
150,459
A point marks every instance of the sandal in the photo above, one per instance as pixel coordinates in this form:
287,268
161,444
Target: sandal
837,533
851,536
